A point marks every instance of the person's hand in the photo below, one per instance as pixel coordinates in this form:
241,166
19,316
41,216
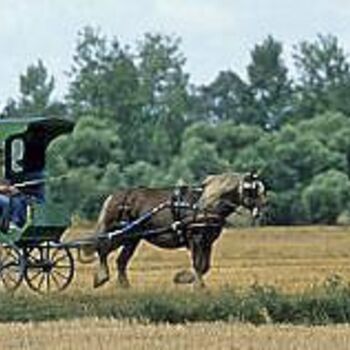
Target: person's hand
8,190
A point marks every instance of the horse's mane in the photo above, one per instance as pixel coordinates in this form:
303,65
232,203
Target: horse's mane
215,186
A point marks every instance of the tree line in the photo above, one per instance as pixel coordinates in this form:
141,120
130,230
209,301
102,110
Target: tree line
140,121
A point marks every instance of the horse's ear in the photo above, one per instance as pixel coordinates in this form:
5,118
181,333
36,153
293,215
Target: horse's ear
252,175
208,180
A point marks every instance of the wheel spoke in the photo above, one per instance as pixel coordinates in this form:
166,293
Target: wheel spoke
63,257
11,268
60,274
10,277
35,275
54,278
47,282
41,281
62,267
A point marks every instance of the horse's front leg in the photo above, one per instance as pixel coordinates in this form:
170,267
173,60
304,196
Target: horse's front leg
123,260
201,255
102,274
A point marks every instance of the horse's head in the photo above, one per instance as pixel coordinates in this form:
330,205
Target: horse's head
224,193
252,193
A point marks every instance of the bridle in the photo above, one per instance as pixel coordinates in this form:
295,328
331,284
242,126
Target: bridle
252,190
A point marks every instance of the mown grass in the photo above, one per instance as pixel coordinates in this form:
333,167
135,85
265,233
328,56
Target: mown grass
327,304
111,334
293,261
289,258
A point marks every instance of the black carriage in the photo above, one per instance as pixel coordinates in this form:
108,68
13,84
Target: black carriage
31,250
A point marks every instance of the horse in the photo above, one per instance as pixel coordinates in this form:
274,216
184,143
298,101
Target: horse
195,228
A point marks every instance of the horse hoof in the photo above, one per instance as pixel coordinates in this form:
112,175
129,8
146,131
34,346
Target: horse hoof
184,277
199,285
123,283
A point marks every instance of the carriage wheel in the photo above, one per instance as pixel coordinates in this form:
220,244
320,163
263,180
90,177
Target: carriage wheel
12,266
49,269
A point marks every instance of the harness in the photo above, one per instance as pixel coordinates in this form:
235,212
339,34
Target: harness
123,215
184,207
188,215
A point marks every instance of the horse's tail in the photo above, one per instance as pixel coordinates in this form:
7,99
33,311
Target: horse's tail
86,253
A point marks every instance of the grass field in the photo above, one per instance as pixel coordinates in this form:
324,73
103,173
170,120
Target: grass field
291,259
111,334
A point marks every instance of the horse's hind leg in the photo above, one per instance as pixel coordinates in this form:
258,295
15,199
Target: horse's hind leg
122,261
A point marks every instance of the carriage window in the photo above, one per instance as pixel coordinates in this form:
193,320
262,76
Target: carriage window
17,154
2,158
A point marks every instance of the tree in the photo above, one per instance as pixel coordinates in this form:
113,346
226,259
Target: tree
227,98
227,137
164,95
87,158
36,90
104,82
324,76
333,131
196,160
269,84
145,93
327,197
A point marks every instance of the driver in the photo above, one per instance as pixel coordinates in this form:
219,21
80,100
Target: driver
13,206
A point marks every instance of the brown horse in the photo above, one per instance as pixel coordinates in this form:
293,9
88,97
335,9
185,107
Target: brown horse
195,228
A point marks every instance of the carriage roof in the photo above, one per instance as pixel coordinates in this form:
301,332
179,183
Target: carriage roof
26,141
38,125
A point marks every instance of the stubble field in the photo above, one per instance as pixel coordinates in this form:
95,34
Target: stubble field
122,335
292,259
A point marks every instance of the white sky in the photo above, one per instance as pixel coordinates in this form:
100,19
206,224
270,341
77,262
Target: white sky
217,34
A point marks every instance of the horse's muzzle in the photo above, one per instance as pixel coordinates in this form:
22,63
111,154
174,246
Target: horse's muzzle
256,212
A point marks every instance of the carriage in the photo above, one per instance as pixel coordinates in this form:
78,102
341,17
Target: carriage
34,252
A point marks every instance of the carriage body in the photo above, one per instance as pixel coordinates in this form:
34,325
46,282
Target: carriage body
31,249
25,143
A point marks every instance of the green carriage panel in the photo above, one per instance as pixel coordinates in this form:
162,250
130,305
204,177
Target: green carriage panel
24,149
47,221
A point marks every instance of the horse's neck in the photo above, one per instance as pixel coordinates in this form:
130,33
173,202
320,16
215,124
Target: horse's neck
224,206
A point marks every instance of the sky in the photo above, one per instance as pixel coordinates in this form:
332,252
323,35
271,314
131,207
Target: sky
216,34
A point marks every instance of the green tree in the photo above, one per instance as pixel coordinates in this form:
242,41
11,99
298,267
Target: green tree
164,94
36,89
327,197
104,82
324,76
269,84
196,160
289,160
88,158
142,174
227,137
227,98
333,131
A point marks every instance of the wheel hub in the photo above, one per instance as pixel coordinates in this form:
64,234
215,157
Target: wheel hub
47,266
